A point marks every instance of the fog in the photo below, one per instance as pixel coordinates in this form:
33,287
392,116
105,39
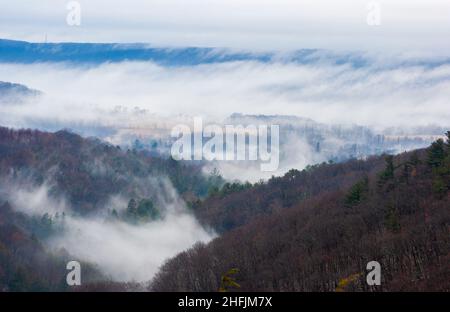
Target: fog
140,94
122,251
126,252
294,152
121,101
32,200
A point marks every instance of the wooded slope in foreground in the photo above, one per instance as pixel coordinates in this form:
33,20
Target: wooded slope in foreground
312,231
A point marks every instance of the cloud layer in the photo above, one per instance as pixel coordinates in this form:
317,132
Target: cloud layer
266,24
142,94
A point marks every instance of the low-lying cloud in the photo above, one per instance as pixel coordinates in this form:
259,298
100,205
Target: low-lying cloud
142,94
122,251
121,101
130,252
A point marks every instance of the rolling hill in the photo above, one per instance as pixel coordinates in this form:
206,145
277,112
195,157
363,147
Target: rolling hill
317,229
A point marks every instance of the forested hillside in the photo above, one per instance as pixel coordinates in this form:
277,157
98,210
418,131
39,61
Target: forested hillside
25,263
310,230
88,171
237,204
316,230
86,174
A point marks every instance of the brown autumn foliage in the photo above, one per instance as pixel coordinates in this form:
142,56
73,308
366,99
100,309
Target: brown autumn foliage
224,213
299,242
306,231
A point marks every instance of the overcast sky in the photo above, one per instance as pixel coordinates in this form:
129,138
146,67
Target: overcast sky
406,25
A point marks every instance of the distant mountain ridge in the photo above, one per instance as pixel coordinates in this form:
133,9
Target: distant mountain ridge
9,87
94,53
15,93
25,52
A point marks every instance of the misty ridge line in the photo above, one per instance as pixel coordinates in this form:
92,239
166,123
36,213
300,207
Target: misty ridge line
95,54
320,93
156,98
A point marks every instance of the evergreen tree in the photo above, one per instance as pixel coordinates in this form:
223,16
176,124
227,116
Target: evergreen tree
357,193
439,161
146,210
436,153
132,209
388,173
